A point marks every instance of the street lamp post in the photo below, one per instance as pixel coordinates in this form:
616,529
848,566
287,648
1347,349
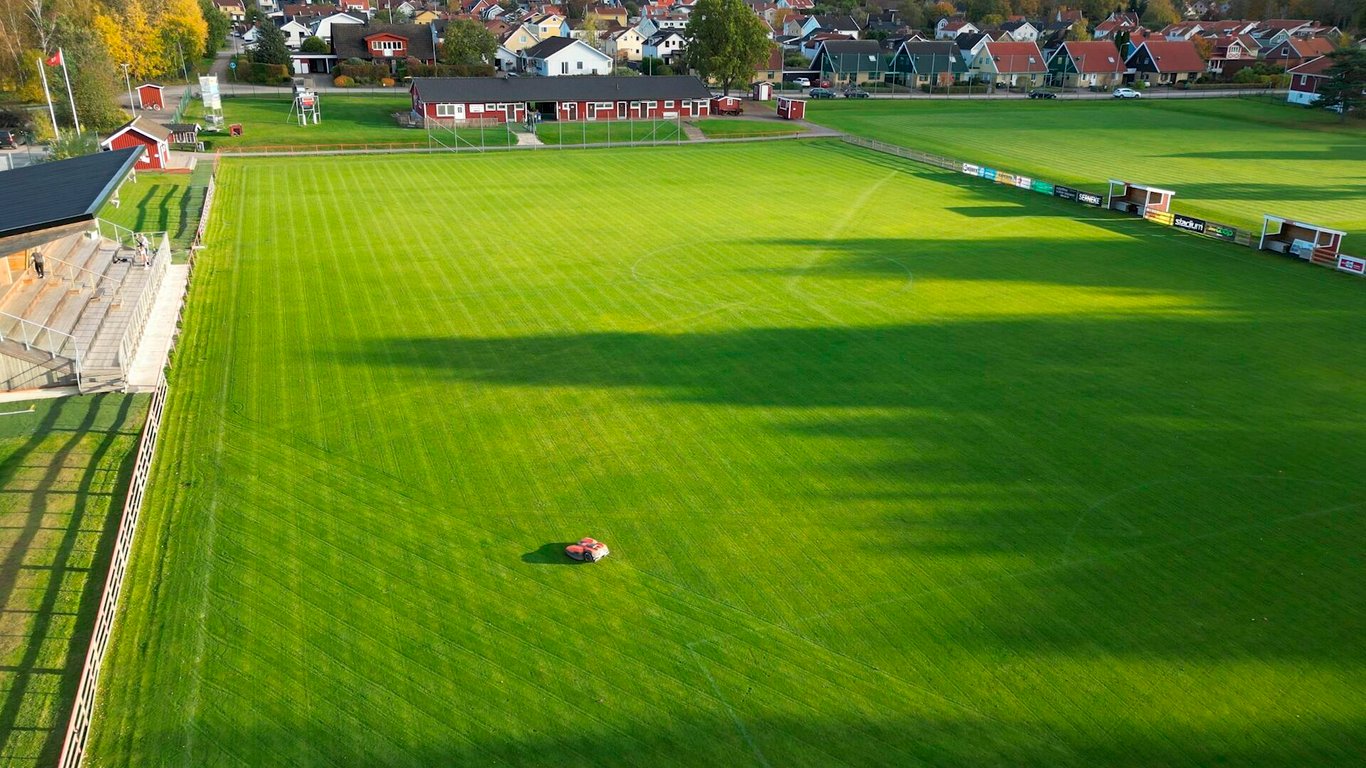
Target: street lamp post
132,106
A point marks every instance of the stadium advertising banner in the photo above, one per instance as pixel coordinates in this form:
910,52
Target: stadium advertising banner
1086,198
987,173
971,170
1198,226
1349,264
1161,217
1042,187
1005,178
1066,193
1220,231
1023,182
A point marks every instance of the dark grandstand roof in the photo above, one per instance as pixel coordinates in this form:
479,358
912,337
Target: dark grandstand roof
61,192
456,90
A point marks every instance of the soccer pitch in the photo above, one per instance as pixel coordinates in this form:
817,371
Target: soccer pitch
914,470
1231,160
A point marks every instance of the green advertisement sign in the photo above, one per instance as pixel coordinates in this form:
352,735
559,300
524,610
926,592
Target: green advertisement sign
1042,187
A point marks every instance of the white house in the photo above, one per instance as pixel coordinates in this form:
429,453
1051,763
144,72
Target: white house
565,56
504,60
948,29
666,44
323,28
295,34
1021,31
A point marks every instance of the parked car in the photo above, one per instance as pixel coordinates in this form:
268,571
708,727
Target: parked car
10,139
856,93
1127,93
1042,95
821,93
802,82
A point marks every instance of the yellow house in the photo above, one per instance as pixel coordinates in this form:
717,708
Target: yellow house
550,25
426,16
521,37
625,45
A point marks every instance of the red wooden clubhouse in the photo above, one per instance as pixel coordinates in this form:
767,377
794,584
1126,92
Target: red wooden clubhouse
458,100
154,139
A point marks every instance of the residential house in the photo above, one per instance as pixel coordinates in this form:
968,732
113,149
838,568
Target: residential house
948,29
666,44
1087,64
505,60
385,43
919,62
812,45
428,16
551,25
625,44
1183,30
1021,31
771,71
1166,62
1116,23
887,22
607,14
558,56
850,61
970,44
672,20
356,7
1010,64
521,38
459,100
1231,53
233,9
1306,79
294,32
326,26
839,24
1290,27
1296,51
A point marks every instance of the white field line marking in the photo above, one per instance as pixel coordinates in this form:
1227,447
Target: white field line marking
1061,566
721,697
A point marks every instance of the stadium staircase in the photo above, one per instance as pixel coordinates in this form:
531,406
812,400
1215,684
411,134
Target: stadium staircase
82,323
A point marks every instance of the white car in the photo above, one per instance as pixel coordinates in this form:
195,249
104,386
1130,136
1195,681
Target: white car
1127,93
802,82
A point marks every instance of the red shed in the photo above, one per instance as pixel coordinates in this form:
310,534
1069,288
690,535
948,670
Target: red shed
154,139
790,108
726,105
149,96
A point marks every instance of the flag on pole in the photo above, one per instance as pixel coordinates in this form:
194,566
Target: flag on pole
42,70
58,60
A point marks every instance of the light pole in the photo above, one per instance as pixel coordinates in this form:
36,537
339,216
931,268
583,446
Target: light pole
129,81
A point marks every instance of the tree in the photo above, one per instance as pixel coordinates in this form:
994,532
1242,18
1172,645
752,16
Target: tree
590,27
942,10
183,29
653,66
468,42
1078,31
1204,46
1160,14
314,44
218,26
94,78
1344,82
131,37
270,46
726,42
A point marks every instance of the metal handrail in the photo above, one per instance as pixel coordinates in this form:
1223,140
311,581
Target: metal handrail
99,276
31,341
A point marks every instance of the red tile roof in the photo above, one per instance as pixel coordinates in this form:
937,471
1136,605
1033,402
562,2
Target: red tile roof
1315,66
1174,56
1017,57
1313,46
1095,56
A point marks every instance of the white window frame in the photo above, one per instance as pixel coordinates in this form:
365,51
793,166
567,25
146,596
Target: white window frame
445,110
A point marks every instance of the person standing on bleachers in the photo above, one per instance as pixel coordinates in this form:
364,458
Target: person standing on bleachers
38,263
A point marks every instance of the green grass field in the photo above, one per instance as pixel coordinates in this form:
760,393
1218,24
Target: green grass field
938,473
557,132
730,127
162,202
346,119
64,468
1231,160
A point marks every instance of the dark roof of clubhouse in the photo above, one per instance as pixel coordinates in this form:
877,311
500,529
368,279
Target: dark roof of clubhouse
61,192
456,90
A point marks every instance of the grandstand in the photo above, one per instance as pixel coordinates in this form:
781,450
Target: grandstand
81,321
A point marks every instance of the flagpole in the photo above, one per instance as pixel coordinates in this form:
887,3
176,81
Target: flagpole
69,93
42,70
